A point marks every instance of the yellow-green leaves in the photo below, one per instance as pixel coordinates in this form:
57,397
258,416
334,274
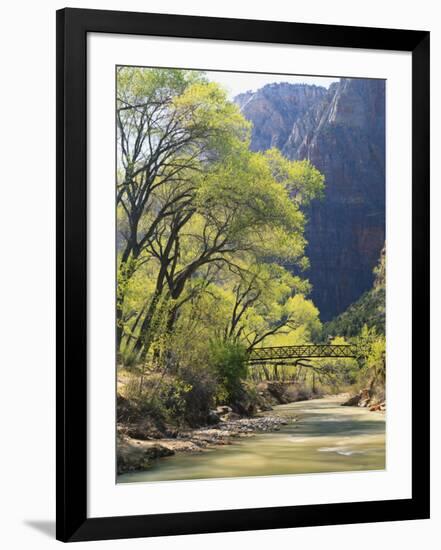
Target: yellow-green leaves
302,180
204,224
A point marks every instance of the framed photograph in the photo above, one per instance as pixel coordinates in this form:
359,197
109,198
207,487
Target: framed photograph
242,275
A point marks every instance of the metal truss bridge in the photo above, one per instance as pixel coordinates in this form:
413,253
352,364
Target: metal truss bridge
285,354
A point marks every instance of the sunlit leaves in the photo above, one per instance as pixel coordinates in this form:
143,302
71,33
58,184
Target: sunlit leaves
204,224
301,179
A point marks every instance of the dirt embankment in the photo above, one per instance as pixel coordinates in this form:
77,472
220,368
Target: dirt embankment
373,399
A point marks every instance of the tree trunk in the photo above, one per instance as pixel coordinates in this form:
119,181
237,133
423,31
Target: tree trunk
128,251
146,334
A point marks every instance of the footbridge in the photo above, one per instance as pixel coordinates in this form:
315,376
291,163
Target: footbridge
287,354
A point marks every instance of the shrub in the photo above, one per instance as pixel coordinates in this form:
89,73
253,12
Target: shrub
160,397
202,395
228,360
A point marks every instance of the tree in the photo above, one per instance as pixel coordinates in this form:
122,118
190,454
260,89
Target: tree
302,180
200,214
171,125
238,210
266,300
372,347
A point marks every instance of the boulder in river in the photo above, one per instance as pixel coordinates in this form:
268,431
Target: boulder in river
135,454
352,401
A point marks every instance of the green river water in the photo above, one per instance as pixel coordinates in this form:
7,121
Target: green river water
325,438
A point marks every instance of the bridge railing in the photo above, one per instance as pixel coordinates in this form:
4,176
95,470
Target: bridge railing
307,351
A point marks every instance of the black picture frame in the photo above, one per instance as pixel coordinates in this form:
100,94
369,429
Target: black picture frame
72,28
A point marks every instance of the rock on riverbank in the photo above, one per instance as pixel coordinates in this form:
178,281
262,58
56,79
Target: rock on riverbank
366,398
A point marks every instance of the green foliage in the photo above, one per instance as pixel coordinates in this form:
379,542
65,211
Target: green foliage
207,216
228,361
302,180
172,397
376,360
369,309
363,323
372,347
163,398
343,372
203,394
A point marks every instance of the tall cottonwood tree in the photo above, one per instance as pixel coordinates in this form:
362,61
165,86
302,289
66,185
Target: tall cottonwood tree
170,125
237,209
193,200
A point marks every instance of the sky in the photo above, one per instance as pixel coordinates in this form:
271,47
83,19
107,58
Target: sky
237,83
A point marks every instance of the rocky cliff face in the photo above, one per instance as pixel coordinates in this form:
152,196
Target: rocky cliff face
274,109
342,132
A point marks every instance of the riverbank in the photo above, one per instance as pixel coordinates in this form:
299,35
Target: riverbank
372,399
142,440
138,454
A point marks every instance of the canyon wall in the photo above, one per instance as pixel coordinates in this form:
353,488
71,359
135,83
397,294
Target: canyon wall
341,130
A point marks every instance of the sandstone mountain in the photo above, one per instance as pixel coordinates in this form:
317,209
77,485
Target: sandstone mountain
341,130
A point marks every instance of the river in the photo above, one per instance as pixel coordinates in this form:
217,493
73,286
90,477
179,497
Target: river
324,438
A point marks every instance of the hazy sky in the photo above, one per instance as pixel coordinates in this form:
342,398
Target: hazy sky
236,83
